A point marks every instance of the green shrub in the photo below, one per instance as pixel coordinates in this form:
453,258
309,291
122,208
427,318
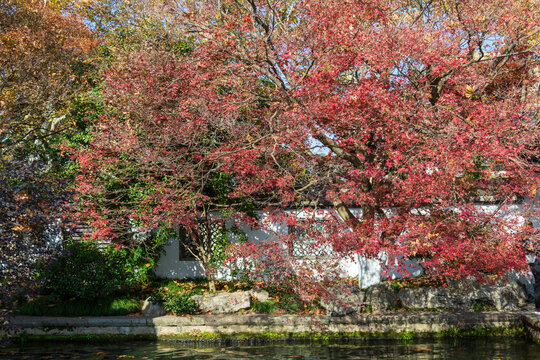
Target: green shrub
86,271
406,336
156,298
180,304
266,307
104,307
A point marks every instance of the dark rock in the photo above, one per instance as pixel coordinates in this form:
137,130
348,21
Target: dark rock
381,297
343,300
425,298
422,298
509,296
152,309
504,294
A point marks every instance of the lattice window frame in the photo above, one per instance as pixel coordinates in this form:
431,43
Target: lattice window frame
302,247
183,253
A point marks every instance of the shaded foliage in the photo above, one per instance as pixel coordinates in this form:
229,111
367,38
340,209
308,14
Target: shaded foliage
87,270
31,206
43,66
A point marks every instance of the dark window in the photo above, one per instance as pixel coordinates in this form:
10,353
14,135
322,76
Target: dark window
187,247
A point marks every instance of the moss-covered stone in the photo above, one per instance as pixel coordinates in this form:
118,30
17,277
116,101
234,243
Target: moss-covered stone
194,337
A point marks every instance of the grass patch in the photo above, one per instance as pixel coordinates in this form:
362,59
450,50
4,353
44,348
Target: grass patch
102,307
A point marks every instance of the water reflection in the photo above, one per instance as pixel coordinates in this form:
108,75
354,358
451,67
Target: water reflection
466,349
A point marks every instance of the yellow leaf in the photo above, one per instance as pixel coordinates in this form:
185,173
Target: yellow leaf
469,91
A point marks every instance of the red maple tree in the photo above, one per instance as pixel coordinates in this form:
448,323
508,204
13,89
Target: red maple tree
412,111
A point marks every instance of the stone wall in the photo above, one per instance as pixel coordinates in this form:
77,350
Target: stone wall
366,324
502,295
532,325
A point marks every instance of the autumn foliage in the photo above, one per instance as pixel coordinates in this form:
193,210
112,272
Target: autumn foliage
412,112
42,56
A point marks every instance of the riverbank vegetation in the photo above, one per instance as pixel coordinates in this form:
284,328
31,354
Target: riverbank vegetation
175,296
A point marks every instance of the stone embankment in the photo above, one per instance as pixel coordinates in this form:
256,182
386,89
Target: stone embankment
502,295
358,325
465,296
532,326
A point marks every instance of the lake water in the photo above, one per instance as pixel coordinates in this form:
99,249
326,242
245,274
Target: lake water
466,349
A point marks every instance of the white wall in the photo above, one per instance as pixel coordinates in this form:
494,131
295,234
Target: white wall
367,270
170,266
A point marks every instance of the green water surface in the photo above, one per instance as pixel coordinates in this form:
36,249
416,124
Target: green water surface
466,349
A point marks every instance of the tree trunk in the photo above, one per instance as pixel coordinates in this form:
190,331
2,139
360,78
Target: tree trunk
211,283
208,270
346,214
208,251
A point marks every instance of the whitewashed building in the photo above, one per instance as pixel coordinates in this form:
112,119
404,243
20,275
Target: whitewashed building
175,263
